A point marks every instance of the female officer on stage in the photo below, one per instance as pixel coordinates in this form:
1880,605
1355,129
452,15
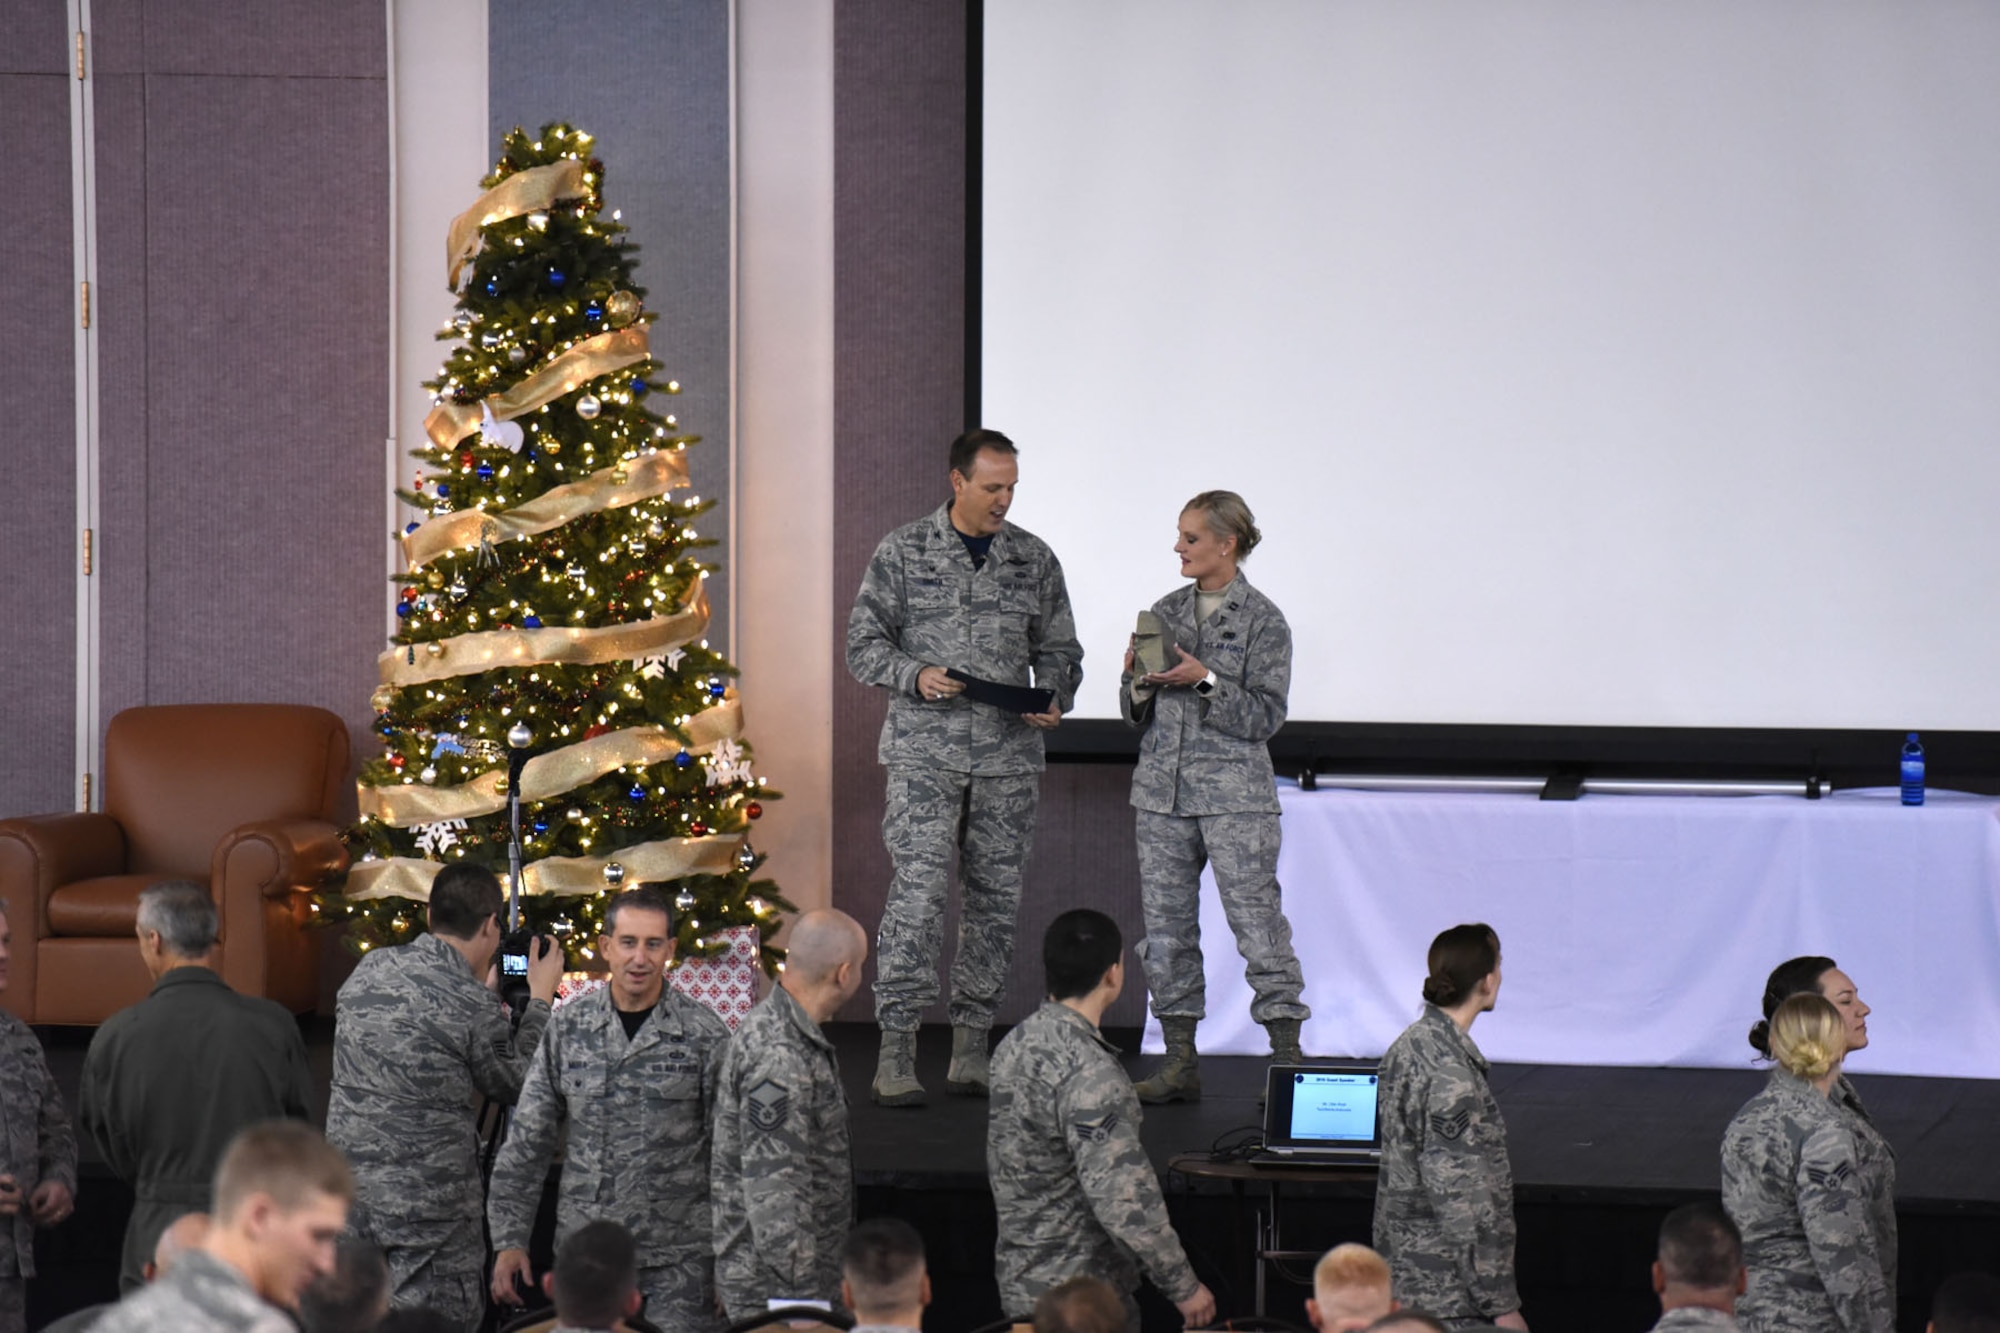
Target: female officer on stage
1811,1192
1203,788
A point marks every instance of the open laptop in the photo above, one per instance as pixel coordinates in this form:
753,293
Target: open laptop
1323,1113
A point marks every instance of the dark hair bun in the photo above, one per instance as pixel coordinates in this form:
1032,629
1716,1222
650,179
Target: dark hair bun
1440,992
1760,1037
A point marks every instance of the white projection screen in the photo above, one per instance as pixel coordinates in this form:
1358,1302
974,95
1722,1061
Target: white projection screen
1628,364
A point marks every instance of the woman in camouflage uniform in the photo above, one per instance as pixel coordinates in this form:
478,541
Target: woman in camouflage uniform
1811,1192
1203,789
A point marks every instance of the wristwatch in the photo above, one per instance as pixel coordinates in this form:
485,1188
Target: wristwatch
1206,685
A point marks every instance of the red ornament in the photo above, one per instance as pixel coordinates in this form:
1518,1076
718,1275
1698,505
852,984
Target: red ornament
409,594
592,733
697,828
396,761
754,810
465,460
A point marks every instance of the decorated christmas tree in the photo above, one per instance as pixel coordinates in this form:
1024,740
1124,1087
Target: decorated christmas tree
553,601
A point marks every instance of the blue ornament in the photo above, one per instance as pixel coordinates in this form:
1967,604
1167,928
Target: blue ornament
592,312
493,286
485,471
444,489
541,826
411,527
640,388
530,455
402,608
683,759
557,278
637,793
531,622
716,688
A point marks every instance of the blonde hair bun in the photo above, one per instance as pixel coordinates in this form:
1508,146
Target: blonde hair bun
1808,1036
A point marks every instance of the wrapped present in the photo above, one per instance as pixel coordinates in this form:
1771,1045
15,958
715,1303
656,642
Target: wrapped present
726,983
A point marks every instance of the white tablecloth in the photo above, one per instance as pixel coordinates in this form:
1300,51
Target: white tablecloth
1635,930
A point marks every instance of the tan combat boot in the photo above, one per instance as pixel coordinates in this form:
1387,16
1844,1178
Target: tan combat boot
1179,1079
1285,1049
967,1076
896,1071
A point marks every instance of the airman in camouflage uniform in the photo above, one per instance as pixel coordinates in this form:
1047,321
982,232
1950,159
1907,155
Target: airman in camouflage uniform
416,1036
1811,1185
963,777
782,1169
1204,792
40,1161
1072,1185
1444,1202
637,1112
199,1294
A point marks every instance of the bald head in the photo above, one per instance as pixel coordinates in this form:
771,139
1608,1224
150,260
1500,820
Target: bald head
823,961
821,941
184,1233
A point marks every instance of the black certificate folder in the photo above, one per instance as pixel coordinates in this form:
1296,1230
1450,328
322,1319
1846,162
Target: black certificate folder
1007,698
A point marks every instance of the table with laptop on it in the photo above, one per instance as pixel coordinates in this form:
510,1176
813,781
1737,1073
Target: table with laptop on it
1322,1125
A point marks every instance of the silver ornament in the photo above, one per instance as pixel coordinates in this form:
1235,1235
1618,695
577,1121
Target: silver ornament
684,900
516,355
614,874
429,774
520,736
588,407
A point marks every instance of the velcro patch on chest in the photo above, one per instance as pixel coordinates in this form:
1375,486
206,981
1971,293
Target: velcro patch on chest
1452,1126
767,1105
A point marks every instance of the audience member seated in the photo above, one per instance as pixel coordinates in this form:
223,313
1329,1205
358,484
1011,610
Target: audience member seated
595,1282
1080,1305
353,1297
1966,1303
1351,1290
882,1276
38,1179
281,1198
1699,1272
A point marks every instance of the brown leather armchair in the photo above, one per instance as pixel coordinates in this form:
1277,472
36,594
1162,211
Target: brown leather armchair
241,797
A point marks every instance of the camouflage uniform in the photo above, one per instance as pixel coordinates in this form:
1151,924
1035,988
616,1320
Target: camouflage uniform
637,1111
782,1170
169,1082
1204,792
1812,1188
40,1145
1444,1202
1072,1186
199,1294
415,1036
963,776
1695,1319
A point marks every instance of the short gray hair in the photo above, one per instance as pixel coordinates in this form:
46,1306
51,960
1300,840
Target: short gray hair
182,914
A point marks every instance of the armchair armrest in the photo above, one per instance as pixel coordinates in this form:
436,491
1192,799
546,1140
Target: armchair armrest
275,855
39,853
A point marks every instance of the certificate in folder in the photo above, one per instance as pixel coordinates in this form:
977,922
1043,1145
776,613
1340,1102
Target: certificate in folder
1007,698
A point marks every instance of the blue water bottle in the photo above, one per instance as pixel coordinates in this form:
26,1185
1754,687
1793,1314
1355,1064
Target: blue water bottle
1913,771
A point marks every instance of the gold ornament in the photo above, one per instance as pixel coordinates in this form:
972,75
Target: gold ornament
434,648
383,698
621,308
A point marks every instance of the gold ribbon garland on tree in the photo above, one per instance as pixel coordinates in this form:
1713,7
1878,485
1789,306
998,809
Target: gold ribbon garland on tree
487,650
410,803
643,863
448,423
524,192
642,478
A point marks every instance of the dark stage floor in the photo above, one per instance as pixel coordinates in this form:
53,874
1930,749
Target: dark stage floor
1599,1156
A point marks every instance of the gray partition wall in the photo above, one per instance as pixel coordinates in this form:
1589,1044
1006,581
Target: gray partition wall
242,168
241,310
651,80
900,163
37,418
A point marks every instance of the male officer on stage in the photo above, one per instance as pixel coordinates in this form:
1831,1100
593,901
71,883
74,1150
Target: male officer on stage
631,1071
1072,1187
415,1035
960,588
